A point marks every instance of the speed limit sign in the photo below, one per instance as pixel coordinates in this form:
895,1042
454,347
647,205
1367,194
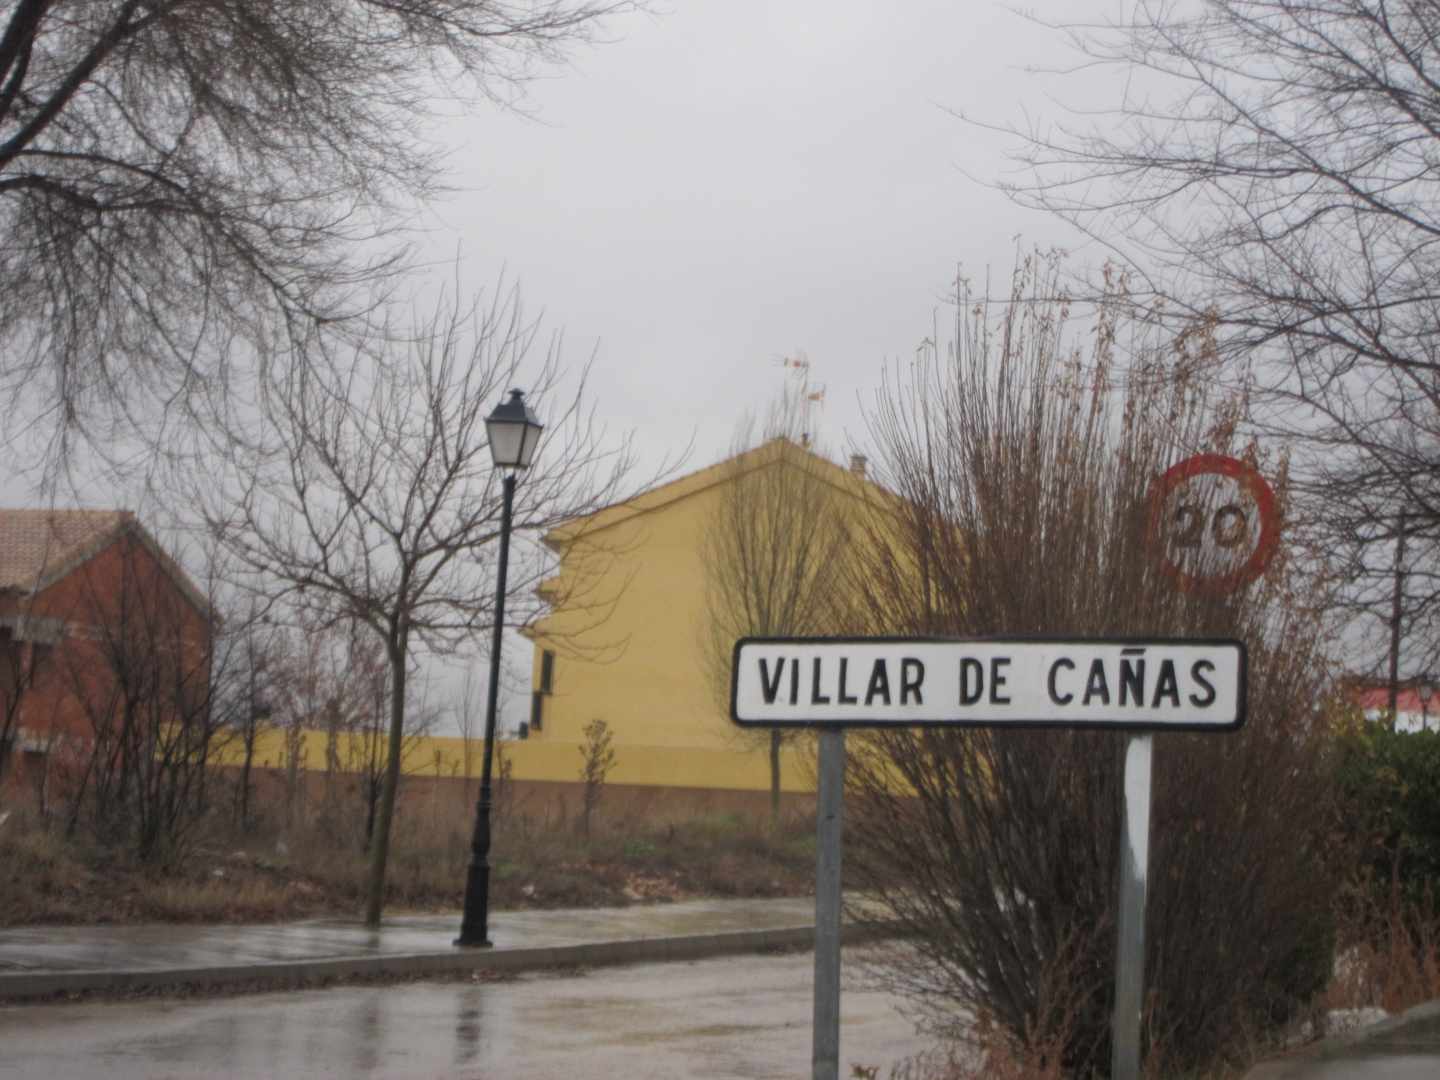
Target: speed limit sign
1213,523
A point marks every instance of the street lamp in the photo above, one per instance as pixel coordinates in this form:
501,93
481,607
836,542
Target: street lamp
514,432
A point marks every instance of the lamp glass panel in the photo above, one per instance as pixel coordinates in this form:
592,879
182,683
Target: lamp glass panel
530,442
506,441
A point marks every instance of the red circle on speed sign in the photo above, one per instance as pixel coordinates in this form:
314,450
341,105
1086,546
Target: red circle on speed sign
1213,523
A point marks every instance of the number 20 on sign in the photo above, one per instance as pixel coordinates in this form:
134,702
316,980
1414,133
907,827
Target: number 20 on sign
1213,523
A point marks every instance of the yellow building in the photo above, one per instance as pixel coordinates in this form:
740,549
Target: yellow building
626,639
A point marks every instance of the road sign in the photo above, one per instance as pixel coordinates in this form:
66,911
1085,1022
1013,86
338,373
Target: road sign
1154,685
1213,523
1142,685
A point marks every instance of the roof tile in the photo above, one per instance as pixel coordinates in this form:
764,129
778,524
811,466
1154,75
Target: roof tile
34,544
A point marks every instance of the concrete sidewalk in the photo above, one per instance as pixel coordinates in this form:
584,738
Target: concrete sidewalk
49,960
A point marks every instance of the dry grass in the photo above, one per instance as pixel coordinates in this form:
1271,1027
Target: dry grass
49,879
316,865
1390,957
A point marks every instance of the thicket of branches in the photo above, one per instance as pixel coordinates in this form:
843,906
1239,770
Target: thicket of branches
1023,462
333,715
773,550
185,183
155,678
1272,165
369,494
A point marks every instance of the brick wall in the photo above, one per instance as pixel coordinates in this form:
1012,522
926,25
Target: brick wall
114,625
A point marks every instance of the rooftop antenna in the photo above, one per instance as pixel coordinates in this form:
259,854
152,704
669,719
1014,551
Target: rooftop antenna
809,397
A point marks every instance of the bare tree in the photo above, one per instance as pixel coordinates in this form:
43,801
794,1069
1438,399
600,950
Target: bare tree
773,549
322,679
1023,464
469,706
260,663
374,499
184,181
152,674
14,674
363,706
1271,166
366,718
597,758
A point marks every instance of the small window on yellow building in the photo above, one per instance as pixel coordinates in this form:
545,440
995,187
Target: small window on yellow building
547,672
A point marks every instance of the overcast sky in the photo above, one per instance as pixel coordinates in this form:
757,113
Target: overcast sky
730,182
734,181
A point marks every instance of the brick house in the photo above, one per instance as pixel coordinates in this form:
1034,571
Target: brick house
94,617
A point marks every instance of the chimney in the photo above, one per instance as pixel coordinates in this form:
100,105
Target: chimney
857,464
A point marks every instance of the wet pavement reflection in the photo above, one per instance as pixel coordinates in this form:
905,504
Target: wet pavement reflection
733,1017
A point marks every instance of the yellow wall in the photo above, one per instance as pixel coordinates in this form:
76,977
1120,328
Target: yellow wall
628,627
554,760
643,668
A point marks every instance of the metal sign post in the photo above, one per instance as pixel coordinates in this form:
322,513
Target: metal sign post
1130,928
825,1042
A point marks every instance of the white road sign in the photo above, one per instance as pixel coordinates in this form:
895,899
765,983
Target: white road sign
1159,685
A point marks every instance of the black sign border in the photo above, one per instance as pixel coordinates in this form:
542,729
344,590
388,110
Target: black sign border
1241,703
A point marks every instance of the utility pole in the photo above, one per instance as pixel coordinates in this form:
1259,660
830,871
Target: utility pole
1395,615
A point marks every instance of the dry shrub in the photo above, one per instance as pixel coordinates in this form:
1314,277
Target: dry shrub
1023,468
1390,952
1390,929
1391,782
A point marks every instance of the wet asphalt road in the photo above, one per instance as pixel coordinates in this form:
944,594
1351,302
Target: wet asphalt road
734,1017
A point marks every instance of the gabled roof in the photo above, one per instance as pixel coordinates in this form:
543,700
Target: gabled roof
39,547
779,450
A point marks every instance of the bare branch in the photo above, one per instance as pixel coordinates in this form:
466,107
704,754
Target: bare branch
1272,166
186,184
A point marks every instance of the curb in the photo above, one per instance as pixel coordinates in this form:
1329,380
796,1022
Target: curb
279,974
1280,1068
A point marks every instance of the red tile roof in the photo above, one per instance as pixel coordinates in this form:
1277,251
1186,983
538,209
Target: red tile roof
37,545
1409,699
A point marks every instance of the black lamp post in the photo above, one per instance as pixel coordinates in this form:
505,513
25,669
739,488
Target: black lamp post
514,432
